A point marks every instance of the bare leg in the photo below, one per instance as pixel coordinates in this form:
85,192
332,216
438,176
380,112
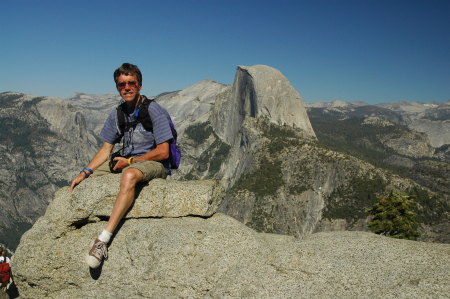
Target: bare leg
124,199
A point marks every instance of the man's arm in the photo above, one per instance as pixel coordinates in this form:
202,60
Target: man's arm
159,153
100,157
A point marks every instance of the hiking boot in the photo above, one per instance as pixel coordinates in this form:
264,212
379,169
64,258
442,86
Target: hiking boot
97,254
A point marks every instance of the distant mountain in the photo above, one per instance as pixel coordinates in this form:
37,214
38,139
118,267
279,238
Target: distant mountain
281,179
95,108
433,119
287,168
338,104
44,143
383,135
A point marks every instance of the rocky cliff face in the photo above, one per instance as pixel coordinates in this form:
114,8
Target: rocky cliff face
259,92
299,187
280,179
218,141
192,104
95,108
172,244
44,142
433,119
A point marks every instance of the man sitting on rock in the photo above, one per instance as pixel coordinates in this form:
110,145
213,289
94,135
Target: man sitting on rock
143,156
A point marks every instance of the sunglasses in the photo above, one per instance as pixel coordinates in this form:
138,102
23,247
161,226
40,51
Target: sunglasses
122,85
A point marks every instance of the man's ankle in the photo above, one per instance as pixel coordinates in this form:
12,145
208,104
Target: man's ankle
105,236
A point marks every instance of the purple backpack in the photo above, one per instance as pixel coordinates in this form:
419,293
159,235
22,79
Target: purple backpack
174,150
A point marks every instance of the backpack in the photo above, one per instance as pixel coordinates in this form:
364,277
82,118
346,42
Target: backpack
144,118
5,272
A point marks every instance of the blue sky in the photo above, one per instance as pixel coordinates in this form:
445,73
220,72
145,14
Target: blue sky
362,50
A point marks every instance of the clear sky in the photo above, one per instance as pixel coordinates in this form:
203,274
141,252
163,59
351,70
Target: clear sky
362,50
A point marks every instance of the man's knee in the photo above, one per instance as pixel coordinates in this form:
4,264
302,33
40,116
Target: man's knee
131,176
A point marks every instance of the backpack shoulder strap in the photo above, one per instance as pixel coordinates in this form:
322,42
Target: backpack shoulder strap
144,116
121,121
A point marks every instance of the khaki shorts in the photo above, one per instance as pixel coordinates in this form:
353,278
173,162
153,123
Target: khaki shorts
150,169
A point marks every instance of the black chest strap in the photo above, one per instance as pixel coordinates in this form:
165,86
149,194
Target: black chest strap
143,116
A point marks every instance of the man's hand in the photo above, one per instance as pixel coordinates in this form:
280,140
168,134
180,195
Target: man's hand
121,163
81,176
100,157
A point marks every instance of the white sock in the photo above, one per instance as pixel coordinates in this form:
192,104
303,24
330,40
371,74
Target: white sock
105,236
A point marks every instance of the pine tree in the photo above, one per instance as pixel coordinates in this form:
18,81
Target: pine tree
394,216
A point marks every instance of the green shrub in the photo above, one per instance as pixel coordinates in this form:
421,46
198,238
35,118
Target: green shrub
395,216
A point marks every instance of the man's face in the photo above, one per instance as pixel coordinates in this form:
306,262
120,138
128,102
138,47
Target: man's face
128,87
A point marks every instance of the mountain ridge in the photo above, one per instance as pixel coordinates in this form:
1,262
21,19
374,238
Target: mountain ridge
255,143
37,157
